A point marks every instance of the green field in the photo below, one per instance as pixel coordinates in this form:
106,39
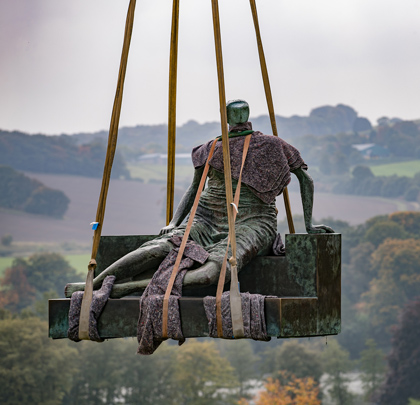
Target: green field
408,169
5,262
79,262
148,172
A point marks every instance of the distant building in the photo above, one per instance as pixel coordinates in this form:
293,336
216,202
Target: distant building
371,150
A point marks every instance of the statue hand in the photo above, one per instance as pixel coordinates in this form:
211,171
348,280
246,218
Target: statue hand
319,229
167,229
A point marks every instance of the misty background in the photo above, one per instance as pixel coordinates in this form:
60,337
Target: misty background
59,61
345,82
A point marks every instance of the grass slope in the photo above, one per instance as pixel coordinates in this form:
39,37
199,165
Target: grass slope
154,172
79,262
408,169
5,262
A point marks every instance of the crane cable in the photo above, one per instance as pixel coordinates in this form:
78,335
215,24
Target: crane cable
173,67
270,106
235,297
112,144
236,311
172,109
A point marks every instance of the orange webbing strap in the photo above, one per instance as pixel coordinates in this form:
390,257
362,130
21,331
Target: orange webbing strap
270,106
222,275
235,299
112,143
173,63
183,243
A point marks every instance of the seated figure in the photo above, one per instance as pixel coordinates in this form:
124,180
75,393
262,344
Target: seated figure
266,173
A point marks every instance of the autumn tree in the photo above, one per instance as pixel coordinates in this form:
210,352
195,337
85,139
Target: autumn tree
298,391
402,381
16,293
409,220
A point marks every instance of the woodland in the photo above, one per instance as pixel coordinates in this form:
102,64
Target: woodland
379,341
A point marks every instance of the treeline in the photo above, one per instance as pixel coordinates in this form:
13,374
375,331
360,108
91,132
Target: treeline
364,182
325,120
19,192
402,138
379,342
325,139
57,155
381,274
380,294
37,370
335,154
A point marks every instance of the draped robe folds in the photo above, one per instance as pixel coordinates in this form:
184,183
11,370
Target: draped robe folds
265,174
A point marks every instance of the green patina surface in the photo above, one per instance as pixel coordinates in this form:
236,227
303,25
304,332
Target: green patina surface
301,259
111,248
307,281
298,317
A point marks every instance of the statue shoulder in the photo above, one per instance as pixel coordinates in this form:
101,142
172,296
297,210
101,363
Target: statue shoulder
200,153
270,140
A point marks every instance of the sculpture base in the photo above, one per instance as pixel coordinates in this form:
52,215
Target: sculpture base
307,282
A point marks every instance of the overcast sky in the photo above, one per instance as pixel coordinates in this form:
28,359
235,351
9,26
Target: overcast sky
59,60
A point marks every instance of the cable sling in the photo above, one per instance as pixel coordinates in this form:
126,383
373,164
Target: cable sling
183,244
112,143
222,277
173,65
269,98
235,297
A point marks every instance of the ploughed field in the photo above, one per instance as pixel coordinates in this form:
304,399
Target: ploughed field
138,208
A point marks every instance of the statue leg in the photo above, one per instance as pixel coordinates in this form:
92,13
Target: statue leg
136,262
206,274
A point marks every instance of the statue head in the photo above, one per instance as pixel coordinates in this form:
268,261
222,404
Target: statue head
237,112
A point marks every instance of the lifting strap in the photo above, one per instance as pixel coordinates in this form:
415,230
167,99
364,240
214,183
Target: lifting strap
193,211
235,299
222,276
270,106
173,64
183,244
112,143
236,311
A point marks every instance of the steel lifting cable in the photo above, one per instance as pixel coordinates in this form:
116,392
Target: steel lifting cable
112,143
270,106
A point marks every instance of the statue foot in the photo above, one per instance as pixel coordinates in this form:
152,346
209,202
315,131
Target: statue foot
124,289
70,288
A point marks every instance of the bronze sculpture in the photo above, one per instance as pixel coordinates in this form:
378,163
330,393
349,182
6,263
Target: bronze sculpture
266,172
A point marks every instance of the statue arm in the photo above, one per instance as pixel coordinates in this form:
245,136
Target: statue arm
307,193
185,204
